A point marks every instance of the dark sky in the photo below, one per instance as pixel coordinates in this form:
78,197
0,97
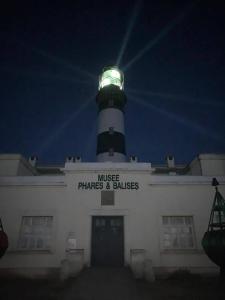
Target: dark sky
174,65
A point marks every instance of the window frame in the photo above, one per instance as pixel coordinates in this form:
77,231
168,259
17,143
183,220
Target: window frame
36,236
180,247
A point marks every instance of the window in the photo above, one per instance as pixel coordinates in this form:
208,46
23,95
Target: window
36,233
100,222
116,222
107,197
178,232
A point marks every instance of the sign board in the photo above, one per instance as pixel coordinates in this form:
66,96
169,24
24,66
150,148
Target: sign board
107,182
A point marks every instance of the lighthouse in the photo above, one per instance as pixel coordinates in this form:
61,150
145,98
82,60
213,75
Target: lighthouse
111,101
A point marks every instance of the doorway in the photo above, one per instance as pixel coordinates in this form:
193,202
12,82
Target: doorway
107,241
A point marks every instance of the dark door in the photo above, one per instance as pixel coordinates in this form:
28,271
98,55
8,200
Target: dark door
107,241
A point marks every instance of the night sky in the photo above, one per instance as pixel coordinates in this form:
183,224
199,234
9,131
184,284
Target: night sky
173,57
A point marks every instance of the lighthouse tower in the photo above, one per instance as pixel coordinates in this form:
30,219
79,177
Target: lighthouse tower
111,100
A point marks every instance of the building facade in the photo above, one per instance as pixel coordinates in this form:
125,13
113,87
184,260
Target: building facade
105,214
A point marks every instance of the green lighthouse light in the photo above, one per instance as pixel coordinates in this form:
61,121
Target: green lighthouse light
111,75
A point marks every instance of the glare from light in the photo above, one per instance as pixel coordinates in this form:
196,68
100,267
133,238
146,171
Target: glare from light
47,75
105,82
132,21
180,119
90,141
115,74
158,38
173,97
56,135
61,61
111,76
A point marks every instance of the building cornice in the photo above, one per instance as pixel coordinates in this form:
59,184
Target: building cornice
33,181
184,180
71,167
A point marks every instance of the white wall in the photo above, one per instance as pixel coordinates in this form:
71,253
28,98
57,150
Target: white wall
208,165
8,167
73,209
32,198
15,165
212,165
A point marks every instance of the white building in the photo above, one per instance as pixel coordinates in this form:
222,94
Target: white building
61,218
54,220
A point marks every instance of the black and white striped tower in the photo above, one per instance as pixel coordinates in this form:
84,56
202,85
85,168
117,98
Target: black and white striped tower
111,100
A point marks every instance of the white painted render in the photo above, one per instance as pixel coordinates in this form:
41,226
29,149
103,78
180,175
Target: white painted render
15,165
208,165
212,164
72,210
106,157
110,117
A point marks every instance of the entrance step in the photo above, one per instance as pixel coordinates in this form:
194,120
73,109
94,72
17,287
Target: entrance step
103,284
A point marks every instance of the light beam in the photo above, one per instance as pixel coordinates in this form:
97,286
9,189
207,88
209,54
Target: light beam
188,123
60,61
91,141
46,75
133,18
49,140
157,39
178,98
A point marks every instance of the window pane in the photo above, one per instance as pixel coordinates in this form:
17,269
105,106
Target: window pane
49,222
188,220
115,222
165,220
167,244
178,232
31,243
100,222
35,233
174,241
176,220
40,243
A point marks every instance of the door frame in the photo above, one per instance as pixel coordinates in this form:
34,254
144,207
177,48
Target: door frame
91,232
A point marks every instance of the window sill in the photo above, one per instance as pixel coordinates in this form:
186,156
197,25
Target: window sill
24,251
181,251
